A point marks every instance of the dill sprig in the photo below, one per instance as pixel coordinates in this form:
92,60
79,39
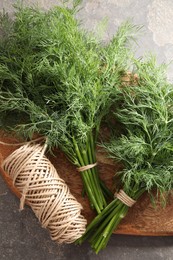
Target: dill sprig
145,146
61,82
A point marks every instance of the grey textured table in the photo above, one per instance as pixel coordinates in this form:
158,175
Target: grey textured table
21,237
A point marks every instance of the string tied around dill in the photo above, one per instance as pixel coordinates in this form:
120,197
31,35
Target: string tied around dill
47,194
86,167
124,198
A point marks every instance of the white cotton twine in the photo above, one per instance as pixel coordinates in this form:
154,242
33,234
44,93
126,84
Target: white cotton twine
47,194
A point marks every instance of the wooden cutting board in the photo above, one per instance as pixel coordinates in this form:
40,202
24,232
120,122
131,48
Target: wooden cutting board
142,218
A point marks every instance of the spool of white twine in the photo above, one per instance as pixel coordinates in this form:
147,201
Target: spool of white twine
49,197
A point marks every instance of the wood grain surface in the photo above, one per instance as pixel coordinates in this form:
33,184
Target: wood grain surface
142,218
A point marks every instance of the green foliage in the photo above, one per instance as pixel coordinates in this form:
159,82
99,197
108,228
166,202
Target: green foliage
145,148
61,81
146,111
52,68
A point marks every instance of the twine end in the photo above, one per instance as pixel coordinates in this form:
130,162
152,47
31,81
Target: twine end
22,203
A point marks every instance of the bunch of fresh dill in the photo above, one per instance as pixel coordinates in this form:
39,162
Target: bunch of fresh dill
59,81
144,147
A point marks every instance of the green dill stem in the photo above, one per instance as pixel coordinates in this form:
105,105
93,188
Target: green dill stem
86,179
119,211
94,172
93,182
107,193
114,210
99,218
101,228
115,218
110,228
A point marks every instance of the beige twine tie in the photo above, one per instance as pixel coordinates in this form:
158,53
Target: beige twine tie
86,167
124,198
47,194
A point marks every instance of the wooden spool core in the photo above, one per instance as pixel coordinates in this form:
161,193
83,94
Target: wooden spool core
142,218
